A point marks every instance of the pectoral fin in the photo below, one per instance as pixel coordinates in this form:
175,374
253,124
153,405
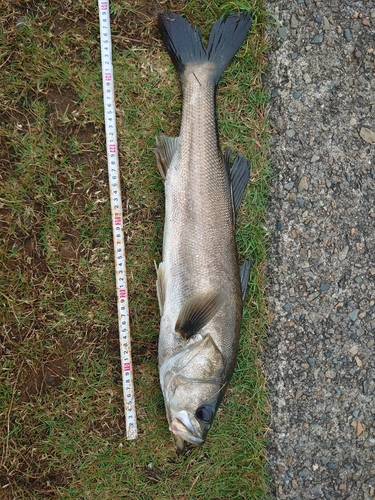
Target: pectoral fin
197,312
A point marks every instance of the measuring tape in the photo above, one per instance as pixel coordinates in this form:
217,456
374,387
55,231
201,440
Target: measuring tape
117,220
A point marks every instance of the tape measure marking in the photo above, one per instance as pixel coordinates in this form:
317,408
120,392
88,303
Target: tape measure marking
117,221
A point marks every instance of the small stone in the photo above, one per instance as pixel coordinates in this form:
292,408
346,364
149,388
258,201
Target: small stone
294,56
353,121
283,33
297,95
291,133
274,93
358,54
318,20
293,199
289,186
303,184
344,252
331,465
326,25
316,491
304,473
287,308
347,35
330,374
359,429
299,393
325,286
300,202
312,296
365,387
365,21
358,361
354,315
317,38
367,135
311,361
314,158
307,78
293,21
353,350
280,226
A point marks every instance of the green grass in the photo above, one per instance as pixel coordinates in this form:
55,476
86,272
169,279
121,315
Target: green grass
61,404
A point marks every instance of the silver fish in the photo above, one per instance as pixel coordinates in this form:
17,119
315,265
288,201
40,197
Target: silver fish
200,285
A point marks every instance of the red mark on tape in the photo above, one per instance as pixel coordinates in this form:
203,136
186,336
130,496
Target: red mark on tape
122,294
108,77
126,367
104,5
117,221
112,148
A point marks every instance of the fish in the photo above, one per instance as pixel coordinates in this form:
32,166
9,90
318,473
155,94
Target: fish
200,285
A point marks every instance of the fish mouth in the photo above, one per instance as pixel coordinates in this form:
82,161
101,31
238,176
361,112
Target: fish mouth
182,435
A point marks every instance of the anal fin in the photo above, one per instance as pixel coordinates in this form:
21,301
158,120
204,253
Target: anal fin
161,286
197,312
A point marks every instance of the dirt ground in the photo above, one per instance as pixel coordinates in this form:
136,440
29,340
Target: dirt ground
319,361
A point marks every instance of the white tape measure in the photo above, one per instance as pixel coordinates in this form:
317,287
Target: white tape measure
117,220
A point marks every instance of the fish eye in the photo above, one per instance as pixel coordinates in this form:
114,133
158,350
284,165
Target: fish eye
204,413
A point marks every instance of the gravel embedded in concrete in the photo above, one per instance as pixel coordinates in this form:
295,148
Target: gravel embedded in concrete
320,361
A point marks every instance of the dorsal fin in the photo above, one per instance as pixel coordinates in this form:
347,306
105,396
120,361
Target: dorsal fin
197,312
166,147
239,176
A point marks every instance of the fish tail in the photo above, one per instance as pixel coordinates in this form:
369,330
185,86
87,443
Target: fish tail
184,42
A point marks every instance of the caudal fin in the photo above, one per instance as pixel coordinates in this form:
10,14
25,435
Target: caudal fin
184,43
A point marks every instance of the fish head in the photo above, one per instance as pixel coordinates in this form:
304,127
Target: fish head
190,410
193,384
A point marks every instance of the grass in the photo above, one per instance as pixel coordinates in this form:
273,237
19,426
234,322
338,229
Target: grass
61,404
